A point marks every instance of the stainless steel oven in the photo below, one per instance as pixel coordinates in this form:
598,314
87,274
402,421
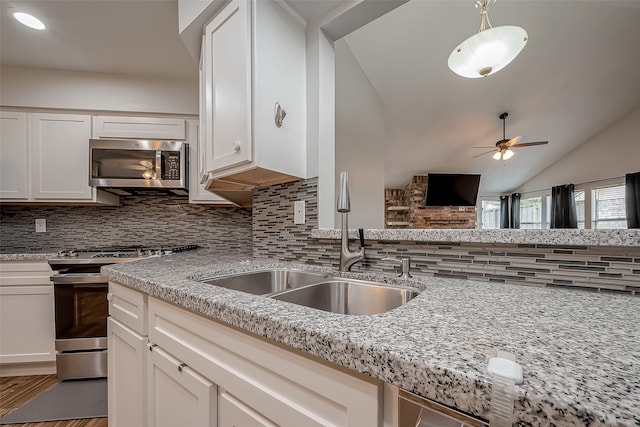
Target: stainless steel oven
81,311
81,306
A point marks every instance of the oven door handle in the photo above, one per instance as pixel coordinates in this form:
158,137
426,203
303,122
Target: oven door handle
79,279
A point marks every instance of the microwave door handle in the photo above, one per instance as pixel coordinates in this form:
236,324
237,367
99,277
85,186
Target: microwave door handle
159,164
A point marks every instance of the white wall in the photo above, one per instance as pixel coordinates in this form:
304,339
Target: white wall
37,88
609,154
360,136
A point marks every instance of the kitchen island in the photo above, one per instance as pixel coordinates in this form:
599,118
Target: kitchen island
580,351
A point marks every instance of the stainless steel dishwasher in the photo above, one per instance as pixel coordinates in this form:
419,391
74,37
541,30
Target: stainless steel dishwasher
416,411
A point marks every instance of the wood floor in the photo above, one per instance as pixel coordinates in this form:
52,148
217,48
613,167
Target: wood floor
16,391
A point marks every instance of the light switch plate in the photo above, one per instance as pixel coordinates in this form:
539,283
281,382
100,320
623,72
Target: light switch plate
41,225
298,212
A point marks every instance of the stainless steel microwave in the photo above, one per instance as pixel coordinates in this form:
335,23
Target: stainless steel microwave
131,164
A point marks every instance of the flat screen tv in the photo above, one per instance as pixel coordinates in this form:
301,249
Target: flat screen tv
445,189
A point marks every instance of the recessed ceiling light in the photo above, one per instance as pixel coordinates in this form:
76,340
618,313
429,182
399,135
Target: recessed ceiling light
29,20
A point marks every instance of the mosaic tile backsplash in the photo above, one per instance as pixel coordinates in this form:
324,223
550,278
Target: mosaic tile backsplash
605,269
139,220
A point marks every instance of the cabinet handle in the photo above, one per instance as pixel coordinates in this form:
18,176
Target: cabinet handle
109,296
204,178
181,366
236,146
279,115
151,346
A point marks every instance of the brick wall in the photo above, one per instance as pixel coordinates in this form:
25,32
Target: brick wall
417,215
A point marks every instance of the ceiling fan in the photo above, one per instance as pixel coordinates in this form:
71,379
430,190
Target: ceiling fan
503,147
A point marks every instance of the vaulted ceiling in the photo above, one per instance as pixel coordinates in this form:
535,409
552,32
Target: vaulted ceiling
576,76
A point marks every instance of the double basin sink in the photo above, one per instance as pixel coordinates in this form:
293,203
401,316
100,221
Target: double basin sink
319,291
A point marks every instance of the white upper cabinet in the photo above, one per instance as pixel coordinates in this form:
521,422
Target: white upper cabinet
45,159
60,156
138,127
197,191
227,86
14,156
254,58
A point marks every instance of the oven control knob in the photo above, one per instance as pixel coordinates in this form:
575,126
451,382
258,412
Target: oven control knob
139,251
73,253
62,254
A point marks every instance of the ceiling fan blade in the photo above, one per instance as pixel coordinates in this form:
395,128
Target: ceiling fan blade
513,141
482,154
529,144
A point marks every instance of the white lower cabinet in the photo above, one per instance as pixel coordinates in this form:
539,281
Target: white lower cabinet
177,395
127,375
202,373
27,332
280,386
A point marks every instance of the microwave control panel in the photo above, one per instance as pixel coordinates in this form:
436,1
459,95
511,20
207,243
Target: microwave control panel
171,165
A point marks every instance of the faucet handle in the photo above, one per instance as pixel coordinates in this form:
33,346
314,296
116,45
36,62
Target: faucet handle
404,262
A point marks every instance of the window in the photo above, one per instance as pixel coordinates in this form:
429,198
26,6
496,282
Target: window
490,214
531,210
599,205
608,209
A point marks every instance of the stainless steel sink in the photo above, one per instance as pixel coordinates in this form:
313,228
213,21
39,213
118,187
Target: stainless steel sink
347,296
267,281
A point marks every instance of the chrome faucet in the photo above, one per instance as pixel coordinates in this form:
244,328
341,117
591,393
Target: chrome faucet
347,257
405,263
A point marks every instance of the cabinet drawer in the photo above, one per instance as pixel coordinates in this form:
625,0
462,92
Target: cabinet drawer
265,376
129,307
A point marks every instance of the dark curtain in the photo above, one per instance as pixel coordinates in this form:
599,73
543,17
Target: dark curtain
563,207
515,210
632,199
504,211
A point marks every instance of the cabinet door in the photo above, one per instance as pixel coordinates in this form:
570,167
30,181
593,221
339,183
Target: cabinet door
60,156
177,395
197,192
138,127
234,413
227,87
14,154
27,332
127,375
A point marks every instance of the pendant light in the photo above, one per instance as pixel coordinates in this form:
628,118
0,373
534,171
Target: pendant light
489,50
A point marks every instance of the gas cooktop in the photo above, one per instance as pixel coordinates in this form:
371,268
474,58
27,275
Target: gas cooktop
115,254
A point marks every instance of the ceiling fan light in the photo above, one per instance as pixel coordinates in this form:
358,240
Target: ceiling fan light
497,155
507,154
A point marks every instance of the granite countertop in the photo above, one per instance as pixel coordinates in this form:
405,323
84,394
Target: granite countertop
580,351
582,237
26,257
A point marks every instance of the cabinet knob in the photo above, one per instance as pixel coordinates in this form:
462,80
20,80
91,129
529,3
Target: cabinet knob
236,146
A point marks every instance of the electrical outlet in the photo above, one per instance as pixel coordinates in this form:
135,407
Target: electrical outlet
41,225
298,212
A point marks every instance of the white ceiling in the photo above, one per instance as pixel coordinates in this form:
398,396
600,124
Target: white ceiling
576,76
110,36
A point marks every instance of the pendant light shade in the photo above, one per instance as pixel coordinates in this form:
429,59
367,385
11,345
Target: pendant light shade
489,50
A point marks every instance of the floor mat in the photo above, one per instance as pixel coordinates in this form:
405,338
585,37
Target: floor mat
68,400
